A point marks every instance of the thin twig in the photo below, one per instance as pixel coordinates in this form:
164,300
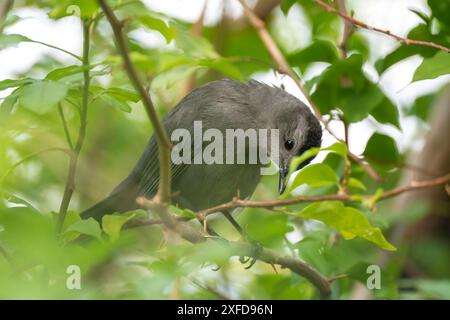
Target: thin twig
32,155
65,127
192,235
415,185
347,32
284,68
270,204
360,24
273,204
164,145
5,7
70,181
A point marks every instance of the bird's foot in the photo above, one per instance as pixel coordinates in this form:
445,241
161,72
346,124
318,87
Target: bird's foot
256,250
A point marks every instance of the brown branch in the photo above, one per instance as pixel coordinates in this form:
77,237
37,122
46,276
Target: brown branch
270,204
415,185
284,68
5,7
242,248
363,25
196,31
164,145
70,181
348,29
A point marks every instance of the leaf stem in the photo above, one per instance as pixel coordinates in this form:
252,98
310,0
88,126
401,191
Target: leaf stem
70,181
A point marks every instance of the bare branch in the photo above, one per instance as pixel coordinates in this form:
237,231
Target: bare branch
270,204
348,29
415,185
242,248
5,7
363,25
164,145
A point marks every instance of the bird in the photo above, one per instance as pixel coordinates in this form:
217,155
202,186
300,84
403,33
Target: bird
220,104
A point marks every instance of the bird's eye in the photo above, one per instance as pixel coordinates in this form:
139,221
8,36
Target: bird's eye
289,144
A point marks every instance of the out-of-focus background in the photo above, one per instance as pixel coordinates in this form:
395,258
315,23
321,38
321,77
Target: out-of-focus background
178,45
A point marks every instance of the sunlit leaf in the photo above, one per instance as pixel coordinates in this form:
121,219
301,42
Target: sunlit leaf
42,96
88,227
433,67
349,221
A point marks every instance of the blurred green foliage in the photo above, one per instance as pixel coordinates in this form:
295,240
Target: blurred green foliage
121,262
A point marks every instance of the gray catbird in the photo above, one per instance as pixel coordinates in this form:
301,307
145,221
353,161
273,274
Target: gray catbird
223,104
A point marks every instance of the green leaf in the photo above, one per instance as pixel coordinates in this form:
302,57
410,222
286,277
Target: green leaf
64,72
357,105
71,218
184,213
155,22
421,32
382,149
197,47
319,50
434,289
64,8
112,101
112,224
356,184
302,158
42,96
89,227
7,40
123,94
9,83
7,105
433,67
338,148
422,106
169,78
441,10
349,221
223,66
386,112
315,175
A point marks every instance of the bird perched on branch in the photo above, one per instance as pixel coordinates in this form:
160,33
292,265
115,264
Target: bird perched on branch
221,105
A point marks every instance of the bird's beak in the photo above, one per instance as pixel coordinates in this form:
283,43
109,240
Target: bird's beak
282,180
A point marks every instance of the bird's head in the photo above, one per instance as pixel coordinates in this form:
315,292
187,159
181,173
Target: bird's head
299,130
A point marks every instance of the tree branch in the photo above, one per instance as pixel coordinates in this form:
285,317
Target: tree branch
70,181
348,29
415,185
363,25
269,204
5,7
242,248
284,68
164,145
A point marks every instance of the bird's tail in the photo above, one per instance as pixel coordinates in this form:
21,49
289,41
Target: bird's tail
116,202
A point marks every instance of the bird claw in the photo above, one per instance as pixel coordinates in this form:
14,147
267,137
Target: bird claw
255,253
216,268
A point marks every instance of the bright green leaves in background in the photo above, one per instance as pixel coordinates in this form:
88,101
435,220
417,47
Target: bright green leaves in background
349,221
42,96
382,151
344,86
433,67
